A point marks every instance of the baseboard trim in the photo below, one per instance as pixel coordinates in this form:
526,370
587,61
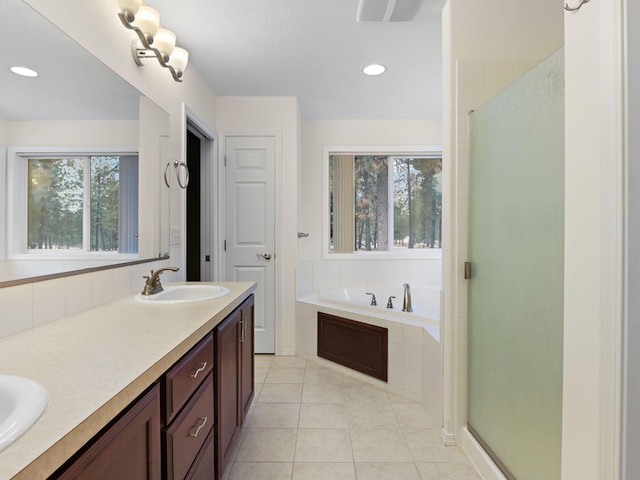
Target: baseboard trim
480,459
449,439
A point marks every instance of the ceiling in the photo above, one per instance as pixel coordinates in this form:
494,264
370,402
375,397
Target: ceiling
68,77
314,50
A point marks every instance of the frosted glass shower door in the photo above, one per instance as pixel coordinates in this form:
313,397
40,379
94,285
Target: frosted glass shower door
516,250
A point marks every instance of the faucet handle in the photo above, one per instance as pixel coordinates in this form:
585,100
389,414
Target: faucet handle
373,299
390,302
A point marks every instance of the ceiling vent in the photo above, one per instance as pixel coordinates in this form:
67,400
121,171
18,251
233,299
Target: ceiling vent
387,10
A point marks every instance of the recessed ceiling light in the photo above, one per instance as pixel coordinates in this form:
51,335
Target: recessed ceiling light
24,71
374,70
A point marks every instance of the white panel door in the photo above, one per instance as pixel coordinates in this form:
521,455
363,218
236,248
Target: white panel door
250,227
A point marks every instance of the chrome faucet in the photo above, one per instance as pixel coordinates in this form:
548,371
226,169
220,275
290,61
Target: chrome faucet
152,284
406,301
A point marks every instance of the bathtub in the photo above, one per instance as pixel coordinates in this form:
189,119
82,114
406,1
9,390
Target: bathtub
415,350
425,303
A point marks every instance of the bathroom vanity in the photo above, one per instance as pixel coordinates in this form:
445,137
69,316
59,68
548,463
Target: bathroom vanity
136,391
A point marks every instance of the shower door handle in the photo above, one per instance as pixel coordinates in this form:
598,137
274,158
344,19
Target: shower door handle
266,256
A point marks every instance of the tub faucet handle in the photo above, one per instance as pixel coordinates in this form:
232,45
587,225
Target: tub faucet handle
390,302
373,299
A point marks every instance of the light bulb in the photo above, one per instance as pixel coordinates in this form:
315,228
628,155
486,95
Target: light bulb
179,59
129,7
165,41
148,21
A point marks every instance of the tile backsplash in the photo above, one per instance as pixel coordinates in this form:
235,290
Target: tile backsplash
32,304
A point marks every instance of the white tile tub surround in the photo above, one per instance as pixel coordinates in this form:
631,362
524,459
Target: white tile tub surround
415,354
315,275
33,304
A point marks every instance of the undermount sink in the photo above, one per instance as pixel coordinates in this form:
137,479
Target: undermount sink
22,402
184,294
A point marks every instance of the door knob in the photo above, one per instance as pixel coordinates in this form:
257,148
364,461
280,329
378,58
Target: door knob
266,256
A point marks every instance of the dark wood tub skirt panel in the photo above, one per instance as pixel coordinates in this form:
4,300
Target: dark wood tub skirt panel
353,344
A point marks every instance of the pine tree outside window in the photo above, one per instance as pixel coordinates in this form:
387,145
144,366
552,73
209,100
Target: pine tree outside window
384,203
82,204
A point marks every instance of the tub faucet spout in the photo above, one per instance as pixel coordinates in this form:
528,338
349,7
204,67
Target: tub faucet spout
406,301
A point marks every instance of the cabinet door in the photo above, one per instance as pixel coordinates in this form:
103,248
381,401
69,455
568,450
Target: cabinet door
247,363
228,419
128,450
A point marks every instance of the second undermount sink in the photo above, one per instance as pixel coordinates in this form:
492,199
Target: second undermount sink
22,402
184,294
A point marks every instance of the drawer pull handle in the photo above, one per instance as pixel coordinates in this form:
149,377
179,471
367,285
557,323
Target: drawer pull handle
195,434
202,367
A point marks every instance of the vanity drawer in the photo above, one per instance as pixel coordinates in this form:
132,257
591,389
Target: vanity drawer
185,377
186,436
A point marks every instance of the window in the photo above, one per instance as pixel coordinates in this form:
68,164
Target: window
77,204
384,203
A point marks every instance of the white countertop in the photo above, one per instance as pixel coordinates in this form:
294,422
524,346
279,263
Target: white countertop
94,364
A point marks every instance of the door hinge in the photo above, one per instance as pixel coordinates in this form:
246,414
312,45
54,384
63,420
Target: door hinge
467,270
225,245
225,160
207,258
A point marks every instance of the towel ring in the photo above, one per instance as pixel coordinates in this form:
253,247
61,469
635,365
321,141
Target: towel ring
177,164
166,180
576,8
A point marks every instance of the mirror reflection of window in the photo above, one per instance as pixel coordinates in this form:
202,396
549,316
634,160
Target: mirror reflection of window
383,203
83,203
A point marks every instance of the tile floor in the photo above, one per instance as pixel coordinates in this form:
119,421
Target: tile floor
311,422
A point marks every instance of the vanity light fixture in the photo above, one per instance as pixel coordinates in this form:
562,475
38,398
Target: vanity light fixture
153,41
374,70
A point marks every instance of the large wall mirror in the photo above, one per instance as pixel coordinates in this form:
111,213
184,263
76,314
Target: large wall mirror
79,146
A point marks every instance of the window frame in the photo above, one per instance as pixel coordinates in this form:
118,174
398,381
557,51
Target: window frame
17,202
391,151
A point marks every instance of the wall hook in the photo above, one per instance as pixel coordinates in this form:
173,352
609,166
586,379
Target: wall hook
576,8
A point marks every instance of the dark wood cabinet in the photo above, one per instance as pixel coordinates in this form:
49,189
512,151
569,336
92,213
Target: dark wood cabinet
234,347
186,435
128,449
227,389
187,425
247,380
185,376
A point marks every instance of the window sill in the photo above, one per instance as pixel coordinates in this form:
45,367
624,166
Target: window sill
414,254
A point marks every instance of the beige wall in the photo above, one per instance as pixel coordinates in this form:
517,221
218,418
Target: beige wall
120,133
593,241
277,116
318,134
